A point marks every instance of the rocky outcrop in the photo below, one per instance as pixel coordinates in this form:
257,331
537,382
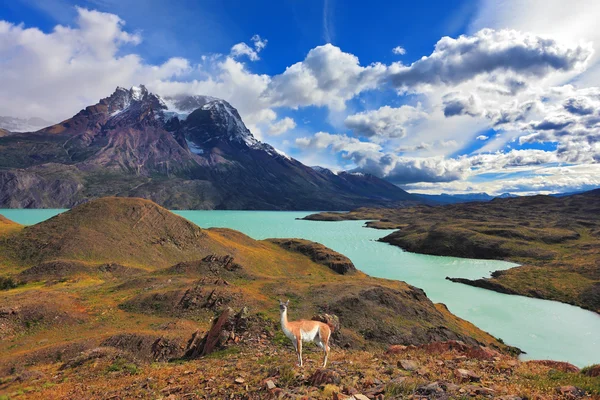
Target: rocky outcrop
318,253
229,326
213,265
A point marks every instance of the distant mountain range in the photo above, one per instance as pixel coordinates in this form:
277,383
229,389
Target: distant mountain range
445,198
12,124
183,152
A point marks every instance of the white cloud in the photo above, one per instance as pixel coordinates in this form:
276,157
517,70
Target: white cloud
399,50
327,77
242,49
513,53
482,137
459,104
385,122
351,148
259,43
281,126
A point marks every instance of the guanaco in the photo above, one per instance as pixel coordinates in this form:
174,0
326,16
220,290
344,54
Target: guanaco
305,330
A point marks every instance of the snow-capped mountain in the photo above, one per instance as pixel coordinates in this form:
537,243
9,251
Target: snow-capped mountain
181,151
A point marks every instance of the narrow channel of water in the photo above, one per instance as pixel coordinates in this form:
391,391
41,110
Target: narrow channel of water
544,329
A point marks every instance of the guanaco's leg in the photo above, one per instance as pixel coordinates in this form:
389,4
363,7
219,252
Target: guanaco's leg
326,348
299,350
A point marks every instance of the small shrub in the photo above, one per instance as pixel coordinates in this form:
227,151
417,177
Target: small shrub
7,283
122,365
400,388
287,377
280,339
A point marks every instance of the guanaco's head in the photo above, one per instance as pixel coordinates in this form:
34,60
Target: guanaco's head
283,306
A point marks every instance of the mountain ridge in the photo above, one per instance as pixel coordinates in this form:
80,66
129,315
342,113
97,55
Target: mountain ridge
190,152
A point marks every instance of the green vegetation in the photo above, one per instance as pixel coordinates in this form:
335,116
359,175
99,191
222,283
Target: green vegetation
7,283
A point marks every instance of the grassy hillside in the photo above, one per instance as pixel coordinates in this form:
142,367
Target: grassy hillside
117,285
557,241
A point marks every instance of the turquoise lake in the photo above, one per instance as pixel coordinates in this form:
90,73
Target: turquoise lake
544,329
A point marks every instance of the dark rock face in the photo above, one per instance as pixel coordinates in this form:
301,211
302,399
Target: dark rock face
319,254
201,156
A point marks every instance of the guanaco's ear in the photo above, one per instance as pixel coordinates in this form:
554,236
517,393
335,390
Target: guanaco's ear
280,302
287,302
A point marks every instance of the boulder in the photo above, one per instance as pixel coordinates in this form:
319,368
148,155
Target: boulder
464,375
324,376
474,390
431,390
570,392
408,365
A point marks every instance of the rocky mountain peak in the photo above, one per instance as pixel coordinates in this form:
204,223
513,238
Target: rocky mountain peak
122,99
218,121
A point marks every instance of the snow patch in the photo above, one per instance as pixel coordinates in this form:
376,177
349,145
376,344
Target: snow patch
324,170
137,93
281,153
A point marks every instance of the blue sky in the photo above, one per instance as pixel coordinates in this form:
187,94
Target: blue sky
483,95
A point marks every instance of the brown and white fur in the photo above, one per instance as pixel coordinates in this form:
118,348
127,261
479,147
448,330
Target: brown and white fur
305,331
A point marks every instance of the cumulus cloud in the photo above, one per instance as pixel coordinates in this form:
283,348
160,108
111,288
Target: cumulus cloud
350,148
489,51
281,126
326,77
399,50
386,122
580,106
482,137
458,104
